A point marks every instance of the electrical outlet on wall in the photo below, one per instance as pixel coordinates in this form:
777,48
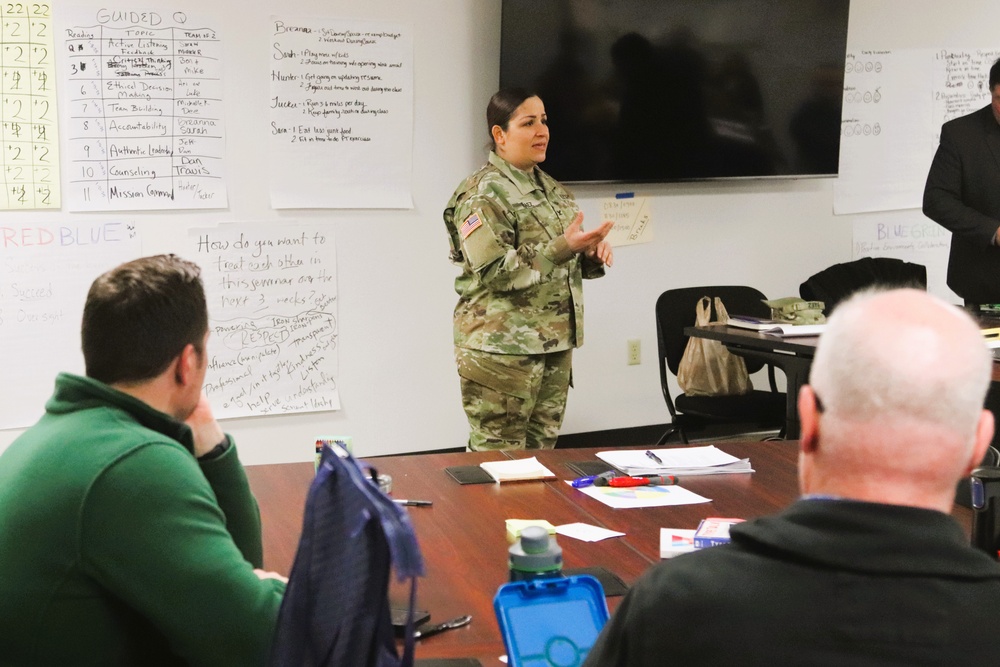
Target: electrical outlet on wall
634,352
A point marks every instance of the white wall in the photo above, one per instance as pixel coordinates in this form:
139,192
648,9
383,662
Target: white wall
397,382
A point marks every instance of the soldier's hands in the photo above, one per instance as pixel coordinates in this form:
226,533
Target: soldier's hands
602,252
581,241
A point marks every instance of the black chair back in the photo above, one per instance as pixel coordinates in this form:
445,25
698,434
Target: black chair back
834,284
675,310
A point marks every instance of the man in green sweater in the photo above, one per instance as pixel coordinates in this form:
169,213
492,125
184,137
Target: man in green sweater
128,532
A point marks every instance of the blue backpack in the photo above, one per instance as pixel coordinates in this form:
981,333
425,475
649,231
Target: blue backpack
336,608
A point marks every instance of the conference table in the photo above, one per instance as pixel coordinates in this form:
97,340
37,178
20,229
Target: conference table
462,534
794,356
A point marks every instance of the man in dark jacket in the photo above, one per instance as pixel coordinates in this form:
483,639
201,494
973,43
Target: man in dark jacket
963,194
867,567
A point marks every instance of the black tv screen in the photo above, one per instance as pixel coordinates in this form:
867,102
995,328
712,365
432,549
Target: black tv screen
675,90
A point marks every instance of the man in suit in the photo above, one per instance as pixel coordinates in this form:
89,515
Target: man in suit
963,194
867,567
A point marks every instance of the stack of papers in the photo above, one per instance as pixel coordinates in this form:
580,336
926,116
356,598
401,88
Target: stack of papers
517,470
775,327
707,460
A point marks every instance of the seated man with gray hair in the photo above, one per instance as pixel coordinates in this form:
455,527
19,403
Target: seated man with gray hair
867,567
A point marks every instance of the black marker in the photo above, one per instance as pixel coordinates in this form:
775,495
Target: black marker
412,503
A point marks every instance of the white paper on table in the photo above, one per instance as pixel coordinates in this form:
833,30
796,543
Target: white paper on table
586,532
643,496
706,459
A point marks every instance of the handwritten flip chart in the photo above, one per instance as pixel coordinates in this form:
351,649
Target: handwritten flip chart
30,155
272,305
894,104
45,272
144,112
341,114
964,74
886,138
632,217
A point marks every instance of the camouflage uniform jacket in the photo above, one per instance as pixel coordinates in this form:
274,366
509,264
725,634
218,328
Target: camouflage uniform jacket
521,288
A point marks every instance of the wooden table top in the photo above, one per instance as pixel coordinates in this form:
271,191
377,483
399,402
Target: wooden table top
463,535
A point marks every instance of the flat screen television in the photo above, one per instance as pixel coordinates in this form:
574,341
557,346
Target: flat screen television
677,90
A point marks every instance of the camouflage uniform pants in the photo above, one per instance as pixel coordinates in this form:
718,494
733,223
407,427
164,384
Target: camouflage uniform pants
514,401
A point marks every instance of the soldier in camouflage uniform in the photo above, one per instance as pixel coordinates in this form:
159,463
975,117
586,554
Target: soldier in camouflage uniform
517,235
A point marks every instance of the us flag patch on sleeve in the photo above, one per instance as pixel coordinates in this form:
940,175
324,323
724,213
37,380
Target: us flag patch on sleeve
471,224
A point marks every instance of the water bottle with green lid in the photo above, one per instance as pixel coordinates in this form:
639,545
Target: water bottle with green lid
535,555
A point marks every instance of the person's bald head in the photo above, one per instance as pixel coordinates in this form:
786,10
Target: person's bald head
900,377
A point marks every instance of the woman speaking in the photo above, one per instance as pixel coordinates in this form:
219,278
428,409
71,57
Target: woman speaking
518,236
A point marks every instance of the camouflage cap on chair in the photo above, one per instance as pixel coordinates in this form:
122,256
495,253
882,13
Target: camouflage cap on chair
795,310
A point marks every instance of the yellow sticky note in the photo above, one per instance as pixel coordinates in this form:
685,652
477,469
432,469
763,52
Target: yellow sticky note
515,526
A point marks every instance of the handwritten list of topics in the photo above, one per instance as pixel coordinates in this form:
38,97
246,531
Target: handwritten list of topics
272,304
341,114
143,112
30,150
961,82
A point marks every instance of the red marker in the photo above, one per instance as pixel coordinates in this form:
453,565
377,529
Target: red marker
654,480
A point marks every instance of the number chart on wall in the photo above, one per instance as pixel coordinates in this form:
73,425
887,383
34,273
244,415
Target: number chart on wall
143,111
30,154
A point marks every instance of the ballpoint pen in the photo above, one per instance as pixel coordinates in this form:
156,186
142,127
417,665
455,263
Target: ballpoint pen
651,454
412,503
581,482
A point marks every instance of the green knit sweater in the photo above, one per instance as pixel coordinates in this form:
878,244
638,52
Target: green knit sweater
118,547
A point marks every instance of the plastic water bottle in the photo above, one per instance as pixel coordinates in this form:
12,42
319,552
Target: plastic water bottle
535,555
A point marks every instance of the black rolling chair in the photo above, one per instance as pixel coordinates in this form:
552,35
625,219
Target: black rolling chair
834,284
755,411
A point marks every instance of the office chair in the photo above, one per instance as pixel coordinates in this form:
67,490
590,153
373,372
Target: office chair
757,410
834,284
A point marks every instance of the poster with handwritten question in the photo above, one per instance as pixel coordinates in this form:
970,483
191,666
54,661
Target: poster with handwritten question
341,104
29,156
142,110
272,307
45,272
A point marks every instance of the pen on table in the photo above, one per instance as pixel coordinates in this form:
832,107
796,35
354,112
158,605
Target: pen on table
653,480
412,503
651,454
581,482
